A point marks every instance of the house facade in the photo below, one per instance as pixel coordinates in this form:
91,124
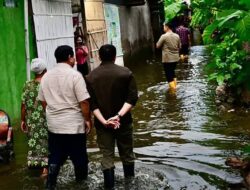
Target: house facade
126,24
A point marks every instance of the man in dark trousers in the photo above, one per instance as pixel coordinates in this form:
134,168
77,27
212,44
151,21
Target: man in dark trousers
64,94
170,44
184,34
113,93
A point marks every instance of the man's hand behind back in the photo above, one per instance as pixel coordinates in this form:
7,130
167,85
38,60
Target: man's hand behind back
114,122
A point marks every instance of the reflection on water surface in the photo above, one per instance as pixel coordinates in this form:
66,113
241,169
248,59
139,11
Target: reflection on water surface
181,141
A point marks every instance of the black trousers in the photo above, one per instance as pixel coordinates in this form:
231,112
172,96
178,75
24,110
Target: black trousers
83,68
169,69
184,49
62,146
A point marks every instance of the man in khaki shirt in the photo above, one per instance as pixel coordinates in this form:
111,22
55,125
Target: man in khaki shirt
63,92
170,44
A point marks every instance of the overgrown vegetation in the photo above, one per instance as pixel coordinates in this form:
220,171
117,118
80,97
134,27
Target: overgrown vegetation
226,26
226,29
173,8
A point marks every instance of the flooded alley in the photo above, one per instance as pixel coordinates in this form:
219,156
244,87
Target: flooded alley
181,141
183,135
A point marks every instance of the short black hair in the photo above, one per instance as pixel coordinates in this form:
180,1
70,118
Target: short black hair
107,52
169,24
63,52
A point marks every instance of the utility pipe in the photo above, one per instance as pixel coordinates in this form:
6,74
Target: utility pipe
27,42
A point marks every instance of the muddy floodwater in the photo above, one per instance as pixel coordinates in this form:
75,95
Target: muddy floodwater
181,141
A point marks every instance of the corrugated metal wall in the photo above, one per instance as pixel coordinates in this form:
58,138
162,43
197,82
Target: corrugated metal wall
53,27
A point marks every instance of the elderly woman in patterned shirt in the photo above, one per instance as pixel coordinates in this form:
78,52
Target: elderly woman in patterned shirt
33,121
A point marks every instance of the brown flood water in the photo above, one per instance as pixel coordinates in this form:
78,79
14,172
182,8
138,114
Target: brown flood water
181,141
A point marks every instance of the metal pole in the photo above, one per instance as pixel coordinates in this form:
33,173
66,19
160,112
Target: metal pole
27,42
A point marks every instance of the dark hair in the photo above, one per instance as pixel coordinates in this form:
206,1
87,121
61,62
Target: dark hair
83,40
168,24
79,37
107,52
62,53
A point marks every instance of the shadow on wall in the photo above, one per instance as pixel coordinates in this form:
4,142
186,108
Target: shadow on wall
136,31
139,50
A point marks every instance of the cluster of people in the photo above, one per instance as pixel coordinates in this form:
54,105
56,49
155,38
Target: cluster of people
56,115
57,106
175,47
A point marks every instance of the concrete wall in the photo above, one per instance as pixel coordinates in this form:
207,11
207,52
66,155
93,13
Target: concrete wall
12,58
136,31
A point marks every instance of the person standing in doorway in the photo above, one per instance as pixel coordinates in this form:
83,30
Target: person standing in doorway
33,121
113,94
170,44
64,94
81,56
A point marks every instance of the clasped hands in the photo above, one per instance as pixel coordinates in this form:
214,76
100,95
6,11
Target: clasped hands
113,122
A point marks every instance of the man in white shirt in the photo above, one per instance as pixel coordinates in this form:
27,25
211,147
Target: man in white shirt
63,92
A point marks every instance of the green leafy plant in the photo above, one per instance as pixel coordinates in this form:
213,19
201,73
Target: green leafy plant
172,9
227,61
226,27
